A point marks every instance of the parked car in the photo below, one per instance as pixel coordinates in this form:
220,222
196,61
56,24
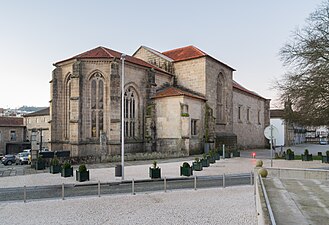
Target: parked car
27,150
22,158
8,159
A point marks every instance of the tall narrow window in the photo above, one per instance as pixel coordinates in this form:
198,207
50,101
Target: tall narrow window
12,135
67,105
248,114
97,104
239,113
220,99
194,130
130,113
258,116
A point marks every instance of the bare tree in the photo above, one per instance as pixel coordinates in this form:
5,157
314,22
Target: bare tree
306,86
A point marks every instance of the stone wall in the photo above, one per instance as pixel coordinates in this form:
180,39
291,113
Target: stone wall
5,136
38,123
250,133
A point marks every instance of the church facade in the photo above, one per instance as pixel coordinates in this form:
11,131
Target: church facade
174,103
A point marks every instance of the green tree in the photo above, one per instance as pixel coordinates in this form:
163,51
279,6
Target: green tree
305,87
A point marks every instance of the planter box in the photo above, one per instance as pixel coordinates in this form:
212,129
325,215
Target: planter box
205,162
67,172
325,159
81,176
55,169
290,156
211,159
186,171
227,154
307,157
155,173
40,165
197,166
236,154
217,156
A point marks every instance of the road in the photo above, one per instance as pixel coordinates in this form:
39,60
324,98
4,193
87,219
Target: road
55,191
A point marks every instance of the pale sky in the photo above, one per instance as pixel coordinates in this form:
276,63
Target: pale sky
246,35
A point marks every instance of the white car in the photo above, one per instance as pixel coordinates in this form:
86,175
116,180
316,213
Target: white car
22,158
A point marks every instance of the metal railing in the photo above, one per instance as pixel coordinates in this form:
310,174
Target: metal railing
165,184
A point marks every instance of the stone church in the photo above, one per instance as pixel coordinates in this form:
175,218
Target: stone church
175,103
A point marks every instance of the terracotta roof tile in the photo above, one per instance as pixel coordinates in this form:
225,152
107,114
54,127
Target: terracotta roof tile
11,121
185,53
174,91
189,52
106,53
243,89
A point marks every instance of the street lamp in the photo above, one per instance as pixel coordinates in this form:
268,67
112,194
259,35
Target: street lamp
123,57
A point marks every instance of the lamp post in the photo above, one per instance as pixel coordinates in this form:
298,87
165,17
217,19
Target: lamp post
122,116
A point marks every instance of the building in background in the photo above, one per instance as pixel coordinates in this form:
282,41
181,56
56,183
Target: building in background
12,135
39,122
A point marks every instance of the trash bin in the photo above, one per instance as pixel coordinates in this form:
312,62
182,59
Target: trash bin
118,171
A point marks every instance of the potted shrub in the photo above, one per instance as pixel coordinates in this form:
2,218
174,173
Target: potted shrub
236,153
306,156
40,164
186,169
67,169
290,154
227,154
55,167
82,174
155,171
325,158
197,165
216,155
205,161
211,157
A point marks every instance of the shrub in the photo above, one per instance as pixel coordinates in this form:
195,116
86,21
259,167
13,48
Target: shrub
204,155
155,164
66,165
82,168
186,165
197,159
327,153
54,161
289,151
306,152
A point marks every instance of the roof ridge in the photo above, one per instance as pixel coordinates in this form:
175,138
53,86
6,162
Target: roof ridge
106,50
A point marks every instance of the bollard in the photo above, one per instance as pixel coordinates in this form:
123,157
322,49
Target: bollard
165,184
63,191
133,187
194,182
99,189
251,178
223,151
223,180
24,193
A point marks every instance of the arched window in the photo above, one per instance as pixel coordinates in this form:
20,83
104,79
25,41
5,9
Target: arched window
220,99
67,105
97,104
130,113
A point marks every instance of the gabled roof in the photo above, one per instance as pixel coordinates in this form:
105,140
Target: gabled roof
42,112
154,52
175,91
106,53
189,52
184,53
243,89
11,121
